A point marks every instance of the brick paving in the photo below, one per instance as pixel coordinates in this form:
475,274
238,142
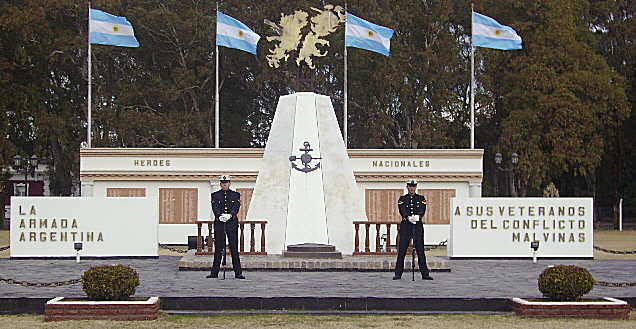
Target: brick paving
468,279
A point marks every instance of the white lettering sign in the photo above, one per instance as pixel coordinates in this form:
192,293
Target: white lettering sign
504,227
107,227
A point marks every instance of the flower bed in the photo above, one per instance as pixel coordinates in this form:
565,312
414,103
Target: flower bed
609,308
60,309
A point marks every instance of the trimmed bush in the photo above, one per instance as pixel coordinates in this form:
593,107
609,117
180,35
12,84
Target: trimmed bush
110,282
565,282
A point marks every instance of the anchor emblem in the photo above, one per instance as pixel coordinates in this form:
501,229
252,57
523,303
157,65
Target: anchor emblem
305,159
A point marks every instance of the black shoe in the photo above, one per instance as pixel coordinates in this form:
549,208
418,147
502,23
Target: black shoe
427,277
240,276
397,277
212,276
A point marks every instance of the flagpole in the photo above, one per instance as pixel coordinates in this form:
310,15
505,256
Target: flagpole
216,93
345,113
472,82
90,82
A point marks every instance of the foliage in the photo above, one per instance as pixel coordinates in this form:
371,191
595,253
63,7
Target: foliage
565,282
557,93
110,282
562,103
614,24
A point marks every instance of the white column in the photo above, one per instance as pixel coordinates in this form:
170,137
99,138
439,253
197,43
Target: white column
87,188
474,189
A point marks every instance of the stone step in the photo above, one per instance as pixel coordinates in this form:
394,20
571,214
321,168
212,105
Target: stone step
312,254
311,247
348,263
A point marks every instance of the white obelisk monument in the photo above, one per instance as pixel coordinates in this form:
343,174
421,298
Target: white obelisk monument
305,188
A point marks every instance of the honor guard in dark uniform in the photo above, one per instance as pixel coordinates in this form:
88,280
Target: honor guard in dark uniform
412,207
225,207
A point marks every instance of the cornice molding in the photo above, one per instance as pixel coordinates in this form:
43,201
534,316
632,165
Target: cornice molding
258,153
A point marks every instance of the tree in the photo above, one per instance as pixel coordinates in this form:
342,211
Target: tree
614,22
556,102
558,92
42,88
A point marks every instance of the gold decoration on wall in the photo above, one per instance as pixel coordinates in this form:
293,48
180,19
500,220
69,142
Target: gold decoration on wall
289,30
551,191
289,36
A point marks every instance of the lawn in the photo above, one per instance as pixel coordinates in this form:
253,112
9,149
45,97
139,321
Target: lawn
614,240
447,321
4,241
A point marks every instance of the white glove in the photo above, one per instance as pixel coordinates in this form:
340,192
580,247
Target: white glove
413,218
225,217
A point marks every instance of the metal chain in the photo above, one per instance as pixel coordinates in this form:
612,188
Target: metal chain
40,284
615,284
617,252
439,245
4,248
180,251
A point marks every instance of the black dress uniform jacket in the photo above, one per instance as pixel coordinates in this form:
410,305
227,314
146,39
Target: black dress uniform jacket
411,204
226,202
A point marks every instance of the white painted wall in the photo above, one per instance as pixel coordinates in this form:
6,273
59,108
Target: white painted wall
178,233
176,164
168,233
465,163
171,233
438,164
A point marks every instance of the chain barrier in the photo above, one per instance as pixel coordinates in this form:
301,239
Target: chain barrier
616,252
177,250
40,284
439,245
615,284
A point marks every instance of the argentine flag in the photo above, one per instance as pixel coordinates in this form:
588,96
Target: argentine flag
231,33
366,35
107,29
488,33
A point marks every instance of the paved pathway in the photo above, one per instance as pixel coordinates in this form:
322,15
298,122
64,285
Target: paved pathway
469,278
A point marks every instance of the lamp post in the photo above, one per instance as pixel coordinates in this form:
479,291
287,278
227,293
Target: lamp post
514,160
25,164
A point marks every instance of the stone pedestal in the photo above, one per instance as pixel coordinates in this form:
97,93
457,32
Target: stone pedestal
305,188
312,250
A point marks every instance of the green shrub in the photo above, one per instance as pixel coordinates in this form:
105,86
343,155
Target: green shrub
565,282
110,282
